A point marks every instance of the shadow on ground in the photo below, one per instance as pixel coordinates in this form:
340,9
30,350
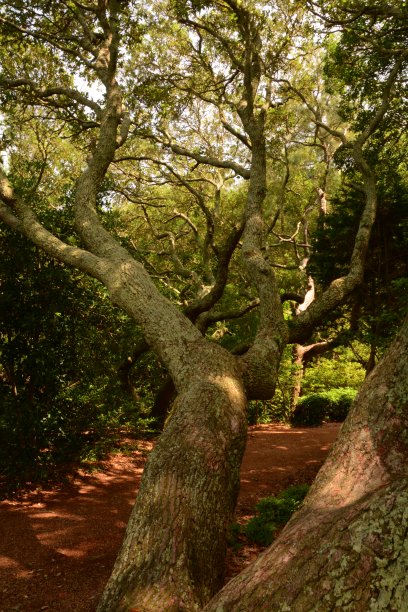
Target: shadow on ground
57,547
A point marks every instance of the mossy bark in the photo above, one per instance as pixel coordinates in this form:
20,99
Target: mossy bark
347,547
174,550
353,559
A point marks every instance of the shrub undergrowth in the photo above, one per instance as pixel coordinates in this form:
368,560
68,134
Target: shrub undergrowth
316,408
272,513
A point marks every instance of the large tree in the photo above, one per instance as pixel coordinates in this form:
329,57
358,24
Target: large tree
346,548
236,58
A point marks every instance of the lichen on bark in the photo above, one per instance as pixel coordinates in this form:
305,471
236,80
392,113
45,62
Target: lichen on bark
347,547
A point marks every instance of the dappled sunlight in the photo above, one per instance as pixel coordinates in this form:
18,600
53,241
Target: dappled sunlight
281,454
6,562
359,472
74,552
67,539
50,515
63,542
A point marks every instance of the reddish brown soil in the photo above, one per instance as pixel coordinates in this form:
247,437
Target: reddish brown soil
57,546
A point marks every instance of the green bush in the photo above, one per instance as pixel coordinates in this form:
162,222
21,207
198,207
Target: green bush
61,342
233,536
310,410
338,370
273,512
316,408
340,403
259,412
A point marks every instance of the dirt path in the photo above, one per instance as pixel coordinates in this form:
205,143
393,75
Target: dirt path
57,547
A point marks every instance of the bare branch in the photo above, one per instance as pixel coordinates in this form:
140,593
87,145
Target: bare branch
236,133
51,40
210,161
385,101
206,302
213,316
18,215
316,115
221,39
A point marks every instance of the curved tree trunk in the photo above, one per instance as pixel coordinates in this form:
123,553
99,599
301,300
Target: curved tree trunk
186,501
346,549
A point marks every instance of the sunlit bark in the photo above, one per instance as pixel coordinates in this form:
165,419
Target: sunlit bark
173,553
346,547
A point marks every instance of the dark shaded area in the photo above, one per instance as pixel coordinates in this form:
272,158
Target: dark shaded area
58,547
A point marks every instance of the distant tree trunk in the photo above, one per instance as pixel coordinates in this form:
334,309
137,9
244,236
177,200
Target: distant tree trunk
126,366
162,402
301,357
298,352
370,364
346,549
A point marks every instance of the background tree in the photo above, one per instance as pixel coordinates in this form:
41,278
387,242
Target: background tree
60,344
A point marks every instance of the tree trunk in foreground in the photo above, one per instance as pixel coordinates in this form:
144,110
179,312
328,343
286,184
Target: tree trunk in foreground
185,504
347,547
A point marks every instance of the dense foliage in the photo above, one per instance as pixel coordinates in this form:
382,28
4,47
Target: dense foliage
325,406
61,345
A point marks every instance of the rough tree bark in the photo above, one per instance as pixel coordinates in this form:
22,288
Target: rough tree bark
173,554
187,498
347,547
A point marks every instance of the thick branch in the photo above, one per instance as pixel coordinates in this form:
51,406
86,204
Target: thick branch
236,133
44,93
15,213
210,161
213,316
225,253
341,288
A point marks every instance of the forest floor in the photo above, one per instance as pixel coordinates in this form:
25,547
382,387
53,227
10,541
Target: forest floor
58,546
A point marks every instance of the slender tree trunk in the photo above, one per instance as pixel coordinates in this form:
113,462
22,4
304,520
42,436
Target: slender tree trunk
346,549
302,355
371,359
298,353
